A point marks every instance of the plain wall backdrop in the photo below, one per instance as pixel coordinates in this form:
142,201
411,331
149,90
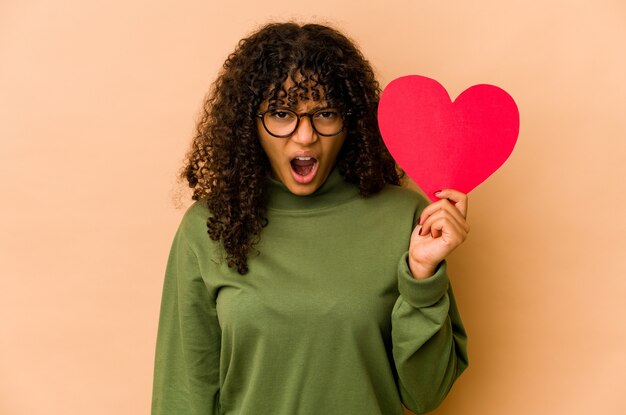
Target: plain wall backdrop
98,103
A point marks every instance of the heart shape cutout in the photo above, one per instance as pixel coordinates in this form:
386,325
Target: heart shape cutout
443,144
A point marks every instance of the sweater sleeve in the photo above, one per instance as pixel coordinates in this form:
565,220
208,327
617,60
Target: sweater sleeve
186,370
429,341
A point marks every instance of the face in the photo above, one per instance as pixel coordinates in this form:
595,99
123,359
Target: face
303,160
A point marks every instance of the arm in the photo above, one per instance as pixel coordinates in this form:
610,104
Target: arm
429,341
186,370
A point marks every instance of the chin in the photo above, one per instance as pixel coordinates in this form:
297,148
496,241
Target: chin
301,189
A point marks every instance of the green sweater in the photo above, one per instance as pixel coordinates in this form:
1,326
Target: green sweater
328,320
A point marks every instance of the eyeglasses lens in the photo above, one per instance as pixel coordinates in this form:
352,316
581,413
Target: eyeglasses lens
283,122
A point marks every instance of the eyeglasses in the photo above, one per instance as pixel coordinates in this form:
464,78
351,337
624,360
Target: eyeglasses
282,122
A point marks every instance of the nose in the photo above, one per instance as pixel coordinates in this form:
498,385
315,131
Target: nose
304,134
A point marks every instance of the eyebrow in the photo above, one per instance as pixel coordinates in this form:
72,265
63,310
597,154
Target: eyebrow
313,109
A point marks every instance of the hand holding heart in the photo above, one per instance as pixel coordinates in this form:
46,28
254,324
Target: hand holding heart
440,143
441,228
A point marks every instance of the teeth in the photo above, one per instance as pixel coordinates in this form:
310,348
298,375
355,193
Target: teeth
303,158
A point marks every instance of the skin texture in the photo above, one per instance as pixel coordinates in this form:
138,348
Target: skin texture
442,227
280,150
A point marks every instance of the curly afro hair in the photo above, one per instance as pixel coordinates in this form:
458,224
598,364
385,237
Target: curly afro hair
226,166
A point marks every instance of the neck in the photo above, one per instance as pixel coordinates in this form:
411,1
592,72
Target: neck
334,191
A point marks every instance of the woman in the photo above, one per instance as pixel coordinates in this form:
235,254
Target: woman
321,287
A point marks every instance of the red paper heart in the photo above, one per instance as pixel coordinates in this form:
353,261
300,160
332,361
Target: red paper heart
443,144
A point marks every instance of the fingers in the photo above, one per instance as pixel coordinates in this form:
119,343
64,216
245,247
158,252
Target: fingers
443,220
459,199
442,208
458,211
449,230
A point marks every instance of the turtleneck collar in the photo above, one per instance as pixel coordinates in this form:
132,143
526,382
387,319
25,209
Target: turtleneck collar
334,191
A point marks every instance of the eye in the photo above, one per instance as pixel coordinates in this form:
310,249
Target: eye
327,114
281,115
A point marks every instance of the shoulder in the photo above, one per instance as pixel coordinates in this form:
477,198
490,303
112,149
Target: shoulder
193,223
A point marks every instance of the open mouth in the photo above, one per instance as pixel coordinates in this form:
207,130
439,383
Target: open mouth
303,169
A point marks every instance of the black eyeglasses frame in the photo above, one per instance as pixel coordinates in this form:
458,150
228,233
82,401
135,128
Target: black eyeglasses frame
261,115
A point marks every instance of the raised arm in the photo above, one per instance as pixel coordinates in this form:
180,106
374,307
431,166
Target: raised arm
429,341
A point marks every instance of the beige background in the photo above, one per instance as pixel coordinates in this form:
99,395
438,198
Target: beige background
97,106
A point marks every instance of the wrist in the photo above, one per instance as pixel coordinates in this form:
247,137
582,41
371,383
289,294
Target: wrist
420,271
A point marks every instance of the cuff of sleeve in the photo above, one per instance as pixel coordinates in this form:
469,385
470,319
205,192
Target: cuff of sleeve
425,292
